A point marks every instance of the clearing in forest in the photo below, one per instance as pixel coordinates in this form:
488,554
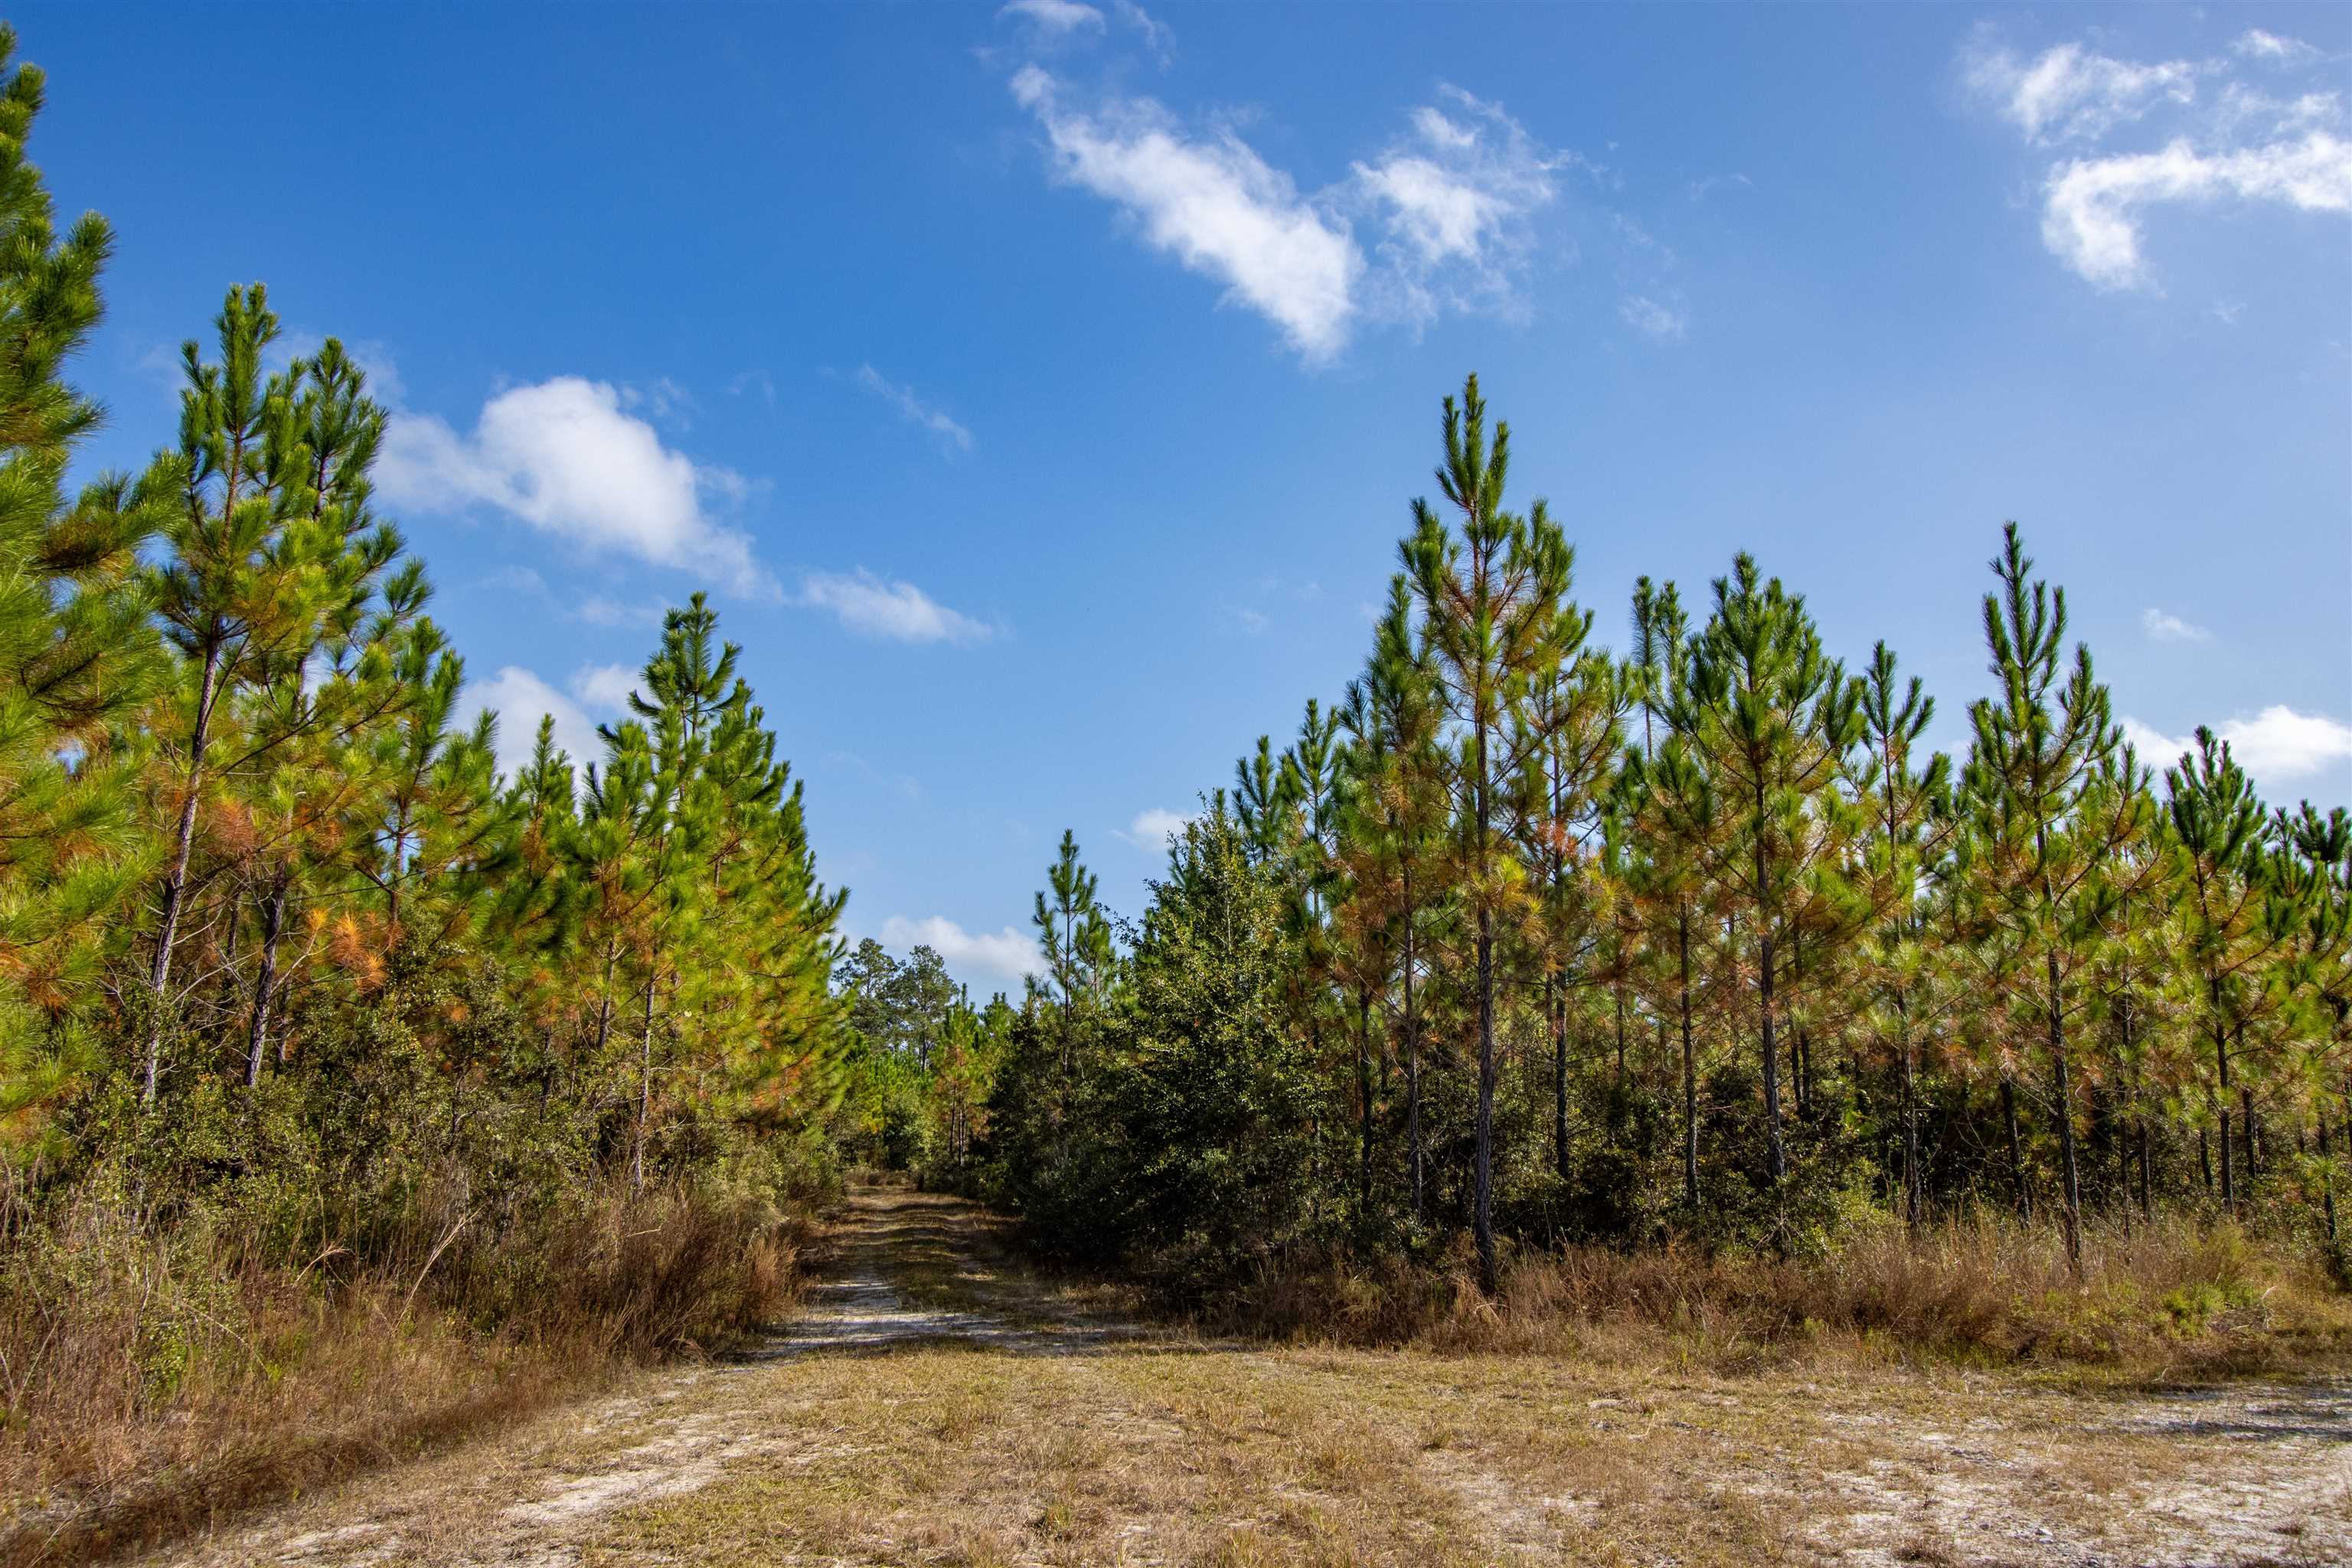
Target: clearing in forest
938,1403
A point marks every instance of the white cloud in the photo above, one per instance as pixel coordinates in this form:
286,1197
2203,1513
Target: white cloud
2091,219
600,611
521,699
1056,17
605,686
896,611
1006,953
1664,322
665,400
913,409
1156,35
2275,745
2240,144
753,380
2068,93
565,458
1214,204
2256,45
1455,197
2163,627
1152,830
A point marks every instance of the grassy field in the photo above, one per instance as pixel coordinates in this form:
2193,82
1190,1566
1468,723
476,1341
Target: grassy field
940,1404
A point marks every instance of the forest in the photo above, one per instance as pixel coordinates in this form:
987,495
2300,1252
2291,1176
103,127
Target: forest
340,1071
1524,942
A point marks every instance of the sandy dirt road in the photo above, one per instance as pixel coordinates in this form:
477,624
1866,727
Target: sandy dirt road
939,1404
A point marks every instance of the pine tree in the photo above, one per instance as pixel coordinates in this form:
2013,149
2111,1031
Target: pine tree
1769,718
1910,814
2040,749
1492,606
1073,933
77,656
1394,815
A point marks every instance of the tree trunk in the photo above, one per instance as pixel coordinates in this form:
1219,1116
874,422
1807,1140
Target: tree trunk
2327,1180
2146,1196
1415,1160
175,886
644,1095
1483,1171
1775,1155
2017,1188
1555,1013
2221,1067
1690,1069
1910,1115
1364,1091
2071,1187
1483,1211
273,926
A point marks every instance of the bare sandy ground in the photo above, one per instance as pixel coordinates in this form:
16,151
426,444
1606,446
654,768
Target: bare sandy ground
935,1404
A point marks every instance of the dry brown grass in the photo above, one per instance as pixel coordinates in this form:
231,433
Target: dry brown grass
2177,1298
154,1385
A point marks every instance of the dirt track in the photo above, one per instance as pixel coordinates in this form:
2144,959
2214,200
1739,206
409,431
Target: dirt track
936,1404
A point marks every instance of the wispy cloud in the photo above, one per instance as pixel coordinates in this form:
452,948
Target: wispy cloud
1006,953
2163,627
1439,220
1455,197
1663,323
1056,16
753,380
2256,45
1211,202
1155,34
564,457
2070,93
895,611
2092,218
914,410
2230,142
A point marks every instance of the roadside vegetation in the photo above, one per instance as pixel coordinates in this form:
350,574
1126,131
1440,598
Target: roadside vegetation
1534,992
352,1095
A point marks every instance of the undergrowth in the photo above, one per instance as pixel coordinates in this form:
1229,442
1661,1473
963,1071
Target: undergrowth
156,1380
2181,1297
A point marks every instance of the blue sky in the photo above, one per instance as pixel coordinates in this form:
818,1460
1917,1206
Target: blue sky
1040,391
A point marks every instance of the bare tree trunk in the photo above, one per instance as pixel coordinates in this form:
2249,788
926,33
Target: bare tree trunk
265,982
1555,1016
1776,1153
1482,1202
175,886
644,1094
1364,1090
2072,1178
1416,1159
2018,1194
1690,1069
1910,1114
2221,1066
